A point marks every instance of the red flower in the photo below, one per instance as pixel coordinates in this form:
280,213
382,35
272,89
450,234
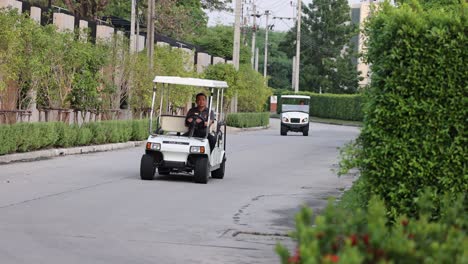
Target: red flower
331,258
354,239
404,222
365,238
296,258
411,236
319,235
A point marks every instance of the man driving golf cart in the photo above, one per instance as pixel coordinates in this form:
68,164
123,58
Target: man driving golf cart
198,117
186,143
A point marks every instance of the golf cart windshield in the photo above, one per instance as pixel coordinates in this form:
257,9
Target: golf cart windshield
295,104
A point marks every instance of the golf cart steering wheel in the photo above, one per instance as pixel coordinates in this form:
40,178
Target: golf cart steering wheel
194,119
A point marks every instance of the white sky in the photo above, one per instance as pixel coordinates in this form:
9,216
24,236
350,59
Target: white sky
278,8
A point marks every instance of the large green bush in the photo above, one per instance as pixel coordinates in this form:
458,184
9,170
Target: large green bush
415,131
335,106
244,120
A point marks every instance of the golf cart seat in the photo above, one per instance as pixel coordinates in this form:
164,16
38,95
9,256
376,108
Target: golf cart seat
173,123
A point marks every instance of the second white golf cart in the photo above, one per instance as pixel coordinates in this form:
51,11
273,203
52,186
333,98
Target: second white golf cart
171,147
295,114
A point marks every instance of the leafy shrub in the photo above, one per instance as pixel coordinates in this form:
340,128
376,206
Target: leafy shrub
47,135
248,119
360,236
7,139
85,136
139,129
67,135
99,135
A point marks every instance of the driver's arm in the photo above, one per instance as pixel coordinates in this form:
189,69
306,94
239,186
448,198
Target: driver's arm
188,120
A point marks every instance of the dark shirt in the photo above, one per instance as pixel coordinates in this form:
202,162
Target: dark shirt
203,114
199,131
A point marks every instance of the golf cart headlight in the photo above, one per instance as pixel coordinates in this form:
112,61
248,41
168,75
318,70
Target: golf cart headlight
153,146
196,149
285,119
305,120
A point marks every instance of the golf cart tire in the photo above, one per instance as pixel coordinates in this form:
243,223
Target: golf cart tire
147,168
305,132
202,170
164,171
284,130
219,173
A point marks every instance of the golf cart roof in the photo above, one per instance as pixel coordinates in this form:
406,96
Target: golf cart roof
190,81
296,96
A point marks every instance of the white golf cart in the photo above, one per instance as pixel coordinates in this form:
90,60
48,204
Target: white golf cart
172,148
295,114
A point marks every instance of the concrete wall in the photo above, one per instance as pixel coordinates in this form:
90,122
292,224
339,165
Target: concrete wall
203,60
189,62
12,4
162,44
104,33
36,14
217,60
141,41
64,22
83,25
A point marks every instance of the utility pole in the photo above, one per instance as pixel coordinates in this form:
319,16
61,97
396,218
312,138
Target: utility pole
254,32
267,13
150,32
137,44
256,59
293,75
298,47
236,50
132,27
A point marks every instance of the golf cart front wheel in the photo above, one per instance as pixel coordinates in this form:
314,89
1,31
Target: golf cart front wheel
147,168
219,173
202,170
284,130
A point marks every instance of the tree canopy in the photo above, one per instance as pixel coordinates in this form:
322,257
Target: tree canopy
326,31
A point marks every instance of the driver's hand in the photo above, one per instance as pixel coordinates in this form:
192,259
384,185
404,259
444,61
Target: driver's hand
198,121
189,120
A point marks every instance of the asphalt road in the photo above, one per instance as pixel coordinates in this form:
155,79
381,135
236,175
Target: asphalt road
93,208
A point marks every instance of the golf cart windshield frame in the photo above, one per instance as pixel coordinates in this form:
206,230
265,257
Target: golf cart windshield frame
175,80
295,105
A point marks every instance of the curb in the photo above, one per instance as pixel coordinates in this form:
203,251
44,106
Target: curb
50,153
244,129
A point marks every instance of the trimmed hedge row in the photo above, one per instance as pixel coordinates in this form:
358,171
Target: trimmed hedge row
25,137
248,119
335,106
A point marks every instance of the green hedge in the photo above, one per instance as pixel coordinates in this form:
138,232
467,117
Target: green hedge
248,119
25,137
335,106
415,133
